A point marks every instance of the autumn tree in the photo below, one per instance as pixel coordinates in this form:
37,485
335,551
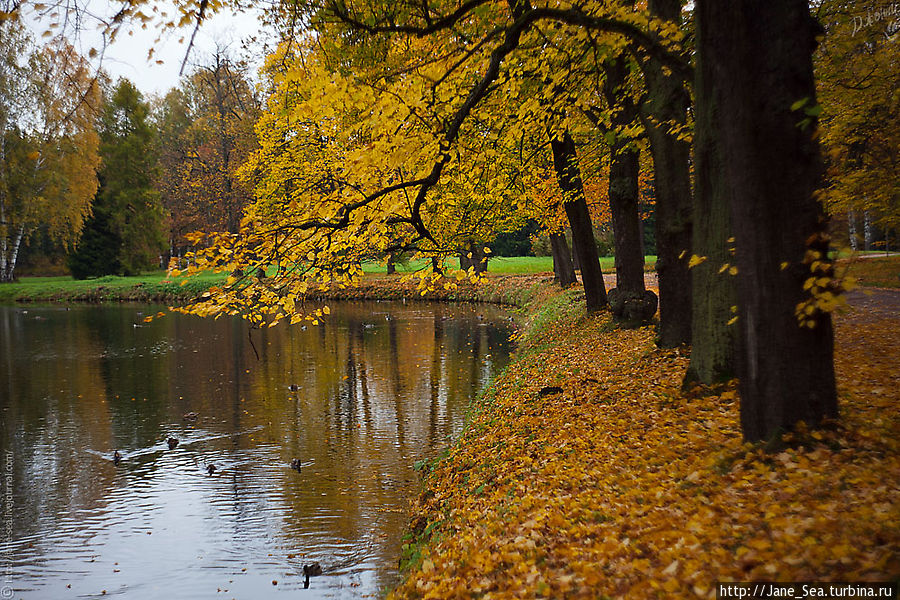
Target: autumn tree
48,144
205,135
858,80
756,121
665,116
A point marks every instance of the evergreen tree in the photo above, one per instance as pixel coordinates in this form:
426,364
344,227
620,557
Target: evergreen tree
127,209
98,250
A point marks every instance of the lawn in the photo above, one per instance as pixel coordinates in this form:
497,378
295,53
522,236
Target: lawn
503,265
881,272
110,287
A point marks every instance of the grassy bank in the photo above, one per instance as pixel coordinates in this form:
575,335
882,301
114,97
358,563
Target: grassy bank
586,472
157,287
505,265
151,287
506,289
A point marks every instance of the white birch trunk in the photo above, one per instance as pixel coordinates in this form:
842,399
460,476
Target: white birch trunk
867,229
851,222
10,263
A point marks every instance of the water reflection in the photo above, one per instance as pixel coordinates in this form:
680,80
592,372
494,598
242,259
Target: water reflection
357,401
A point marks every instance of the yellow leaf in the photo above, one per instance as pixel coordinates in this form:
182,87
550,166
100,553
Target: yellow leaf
695,260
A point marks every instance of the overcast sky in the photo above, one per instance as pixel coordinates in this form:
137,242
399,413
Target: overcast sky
127,56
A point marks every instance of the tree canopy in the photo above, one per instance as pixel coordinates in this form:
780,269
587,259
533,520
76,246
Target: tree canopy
427,128
49,152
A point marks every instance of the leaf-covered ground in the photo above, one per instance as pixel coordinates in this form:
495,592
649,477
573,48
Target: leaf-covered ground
623,486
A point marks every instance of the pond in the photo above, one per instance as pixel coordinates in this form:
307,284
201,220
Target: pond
357,400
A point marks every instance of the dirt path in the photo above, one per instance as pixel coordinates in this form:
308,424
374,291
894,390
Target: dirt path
869,305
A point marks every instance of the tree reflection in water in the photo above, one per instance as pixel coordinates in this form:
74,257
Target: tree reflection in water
373,395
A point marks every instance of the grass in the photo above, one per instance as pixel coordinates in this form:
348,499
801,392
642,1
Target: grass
876,272
153,285
503,265
157,286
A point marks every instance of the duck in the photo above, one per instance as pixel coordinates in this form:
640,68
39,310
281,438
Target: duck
310,571
210,469
173,443
116,457
294,387
190,416
295,464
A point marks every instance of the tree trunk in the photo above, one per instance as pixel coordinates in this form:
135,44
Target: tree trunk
624,168
623,205
479,258
868,234
760,55
851,224
713,339
565,161
666,108
465,261
10,255
563,270
391,265
473,257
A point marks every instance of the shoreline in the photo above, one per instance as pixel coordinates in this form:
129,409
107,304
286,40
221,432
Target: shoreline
506,289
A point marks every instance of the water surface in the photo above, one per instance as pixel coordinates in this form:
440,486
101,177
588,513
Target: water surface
379,386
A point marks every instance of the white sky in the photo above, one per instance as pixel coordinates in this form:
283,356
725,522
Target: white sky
127,56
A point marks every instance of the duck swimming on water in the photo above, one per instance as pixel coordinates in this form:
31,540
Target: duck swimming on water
173,443
116,457
312,570
295,464
210,469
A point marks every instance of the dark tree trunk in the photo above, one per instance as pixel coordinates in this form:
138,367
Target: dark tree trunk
574,255
666,108
391,266
623,205
474,258
760,54
565,161
624,168
630,301
479,258
437,265
563,270
465,261
713,339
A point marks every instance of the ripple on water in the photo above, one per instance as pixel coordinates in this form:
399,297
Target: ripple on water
375,394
